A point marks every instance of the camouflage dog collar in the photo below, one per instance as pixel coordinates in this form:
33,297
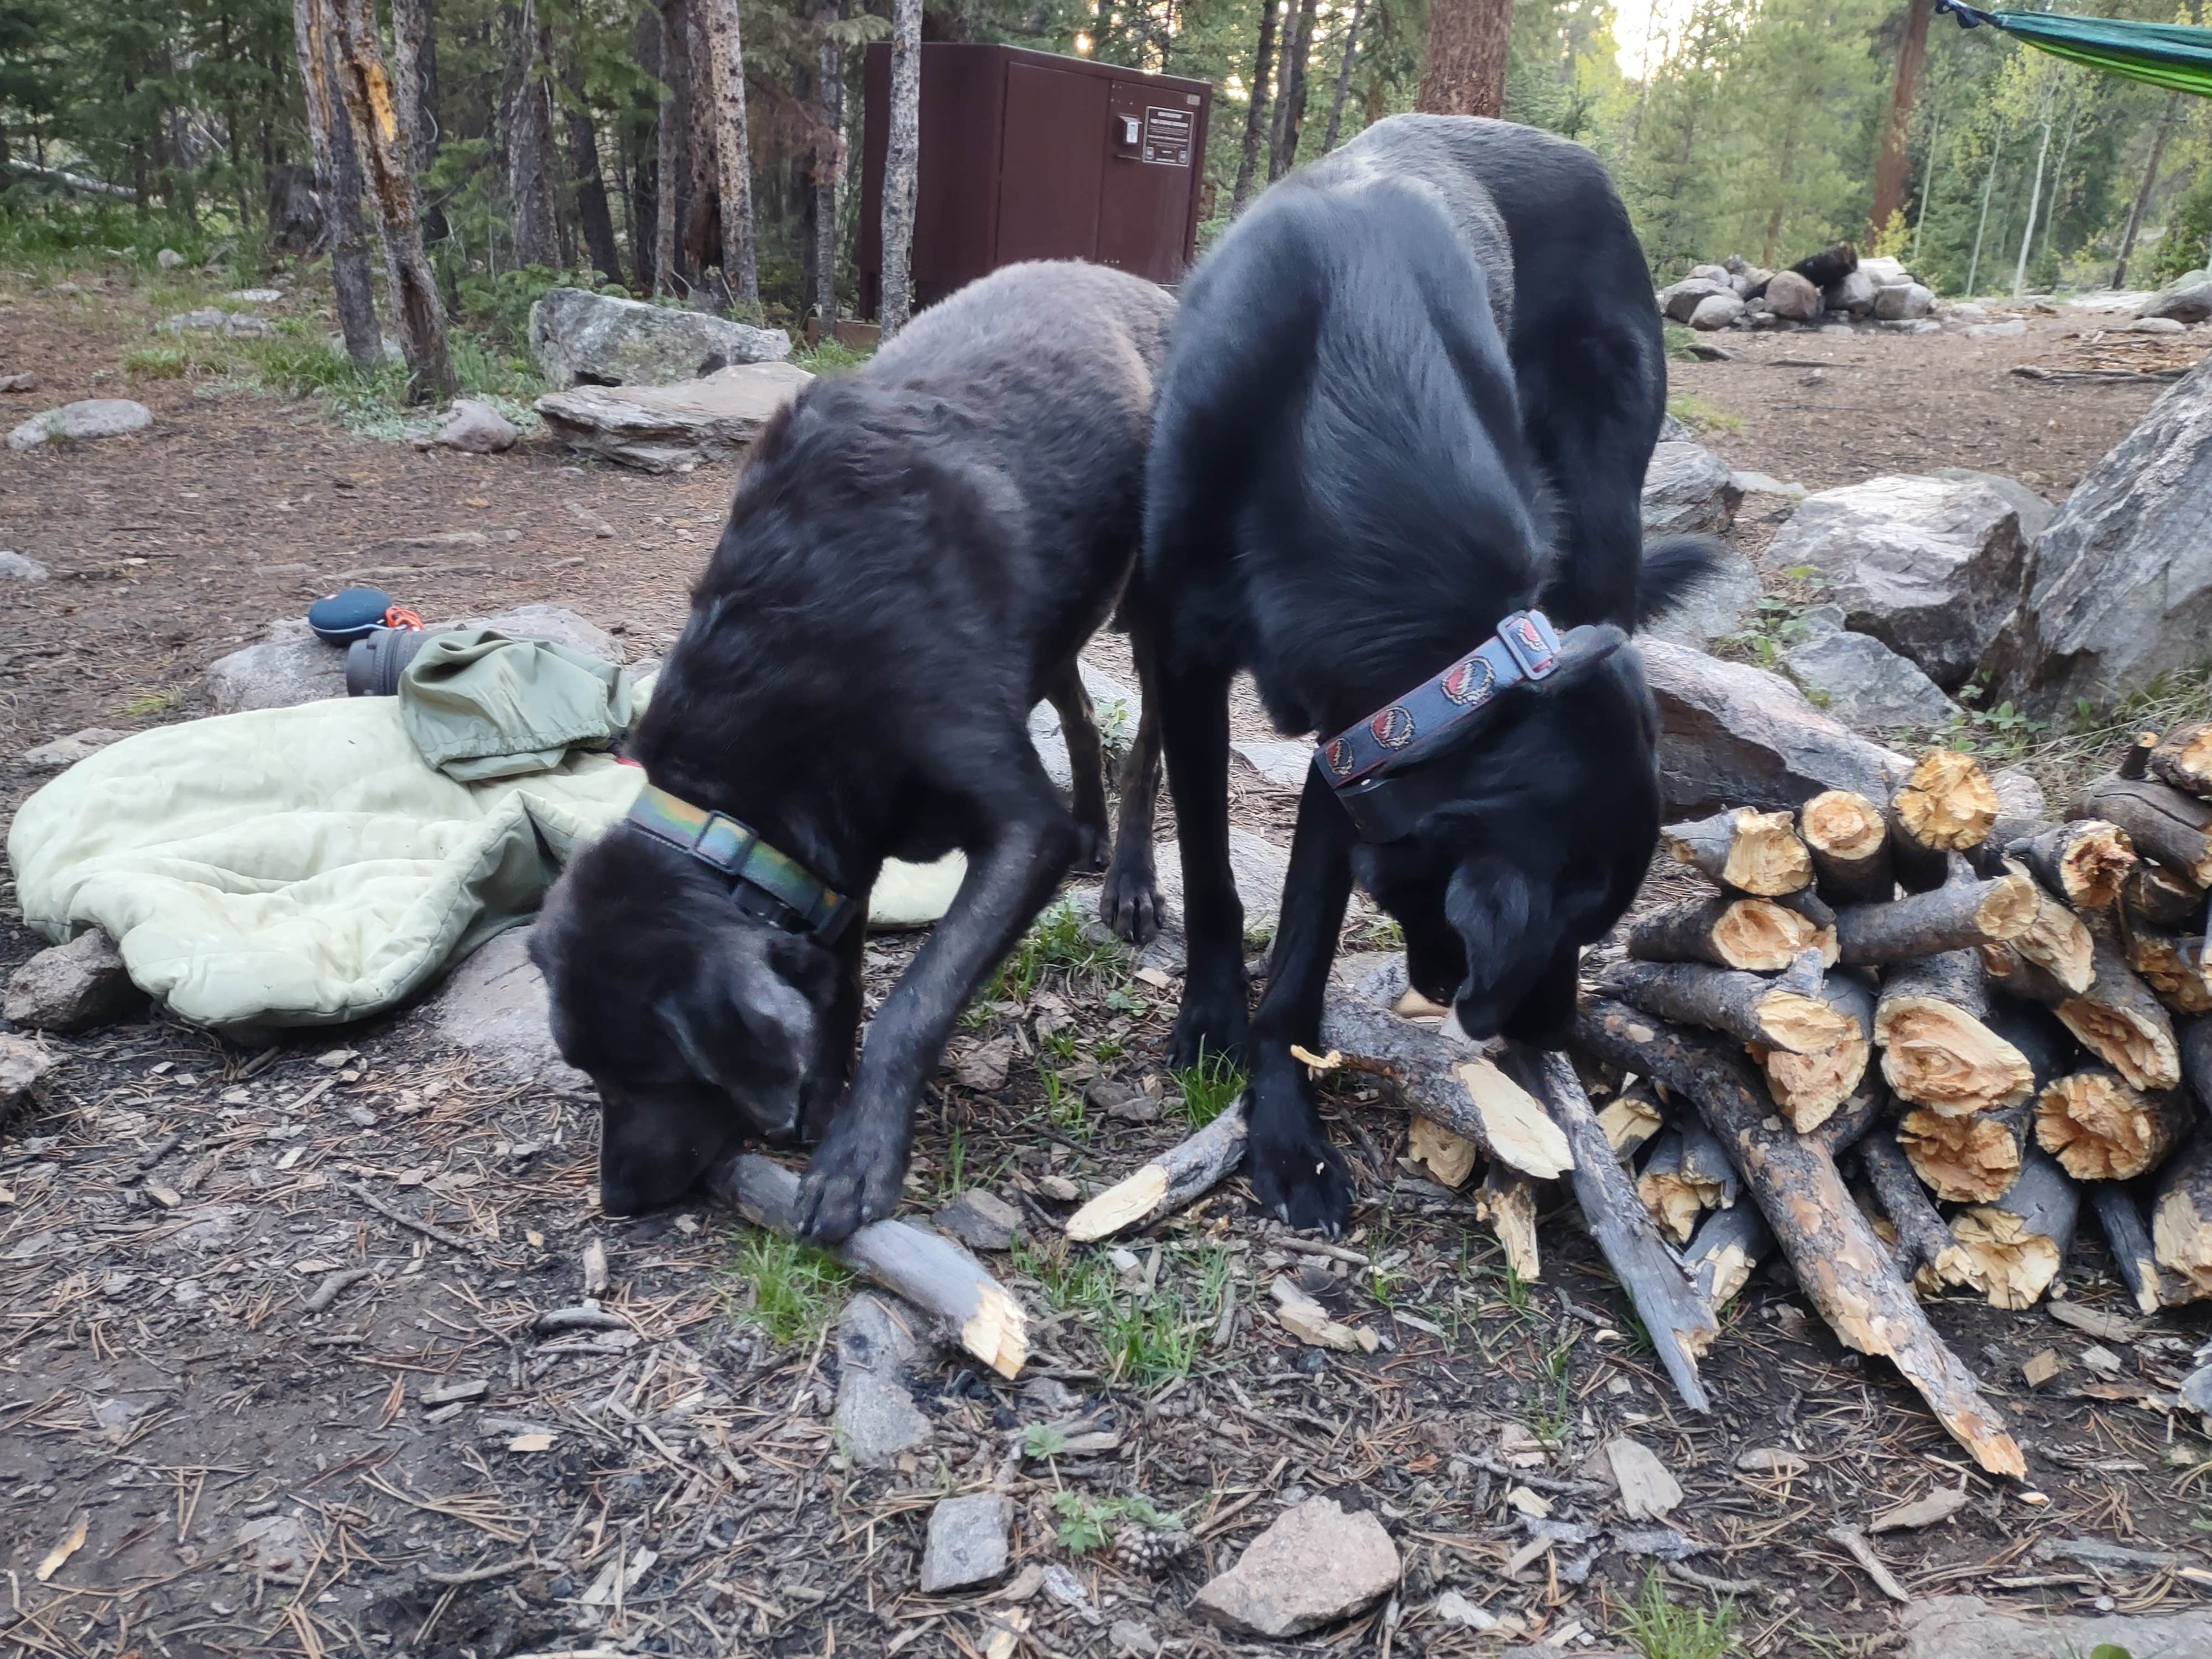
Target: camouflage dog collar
721,841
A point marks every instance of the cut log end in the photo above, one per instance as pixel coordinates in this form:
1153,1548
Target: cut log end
1629,1121
1947,804
1760,935
1122,1204
1808,1088
1999,1255
1962,1160
2137,1044
2099,1128
2091,858
2183,758
2176,968
1507,1200
1940,1058
1801,1024
1844,825
1756,853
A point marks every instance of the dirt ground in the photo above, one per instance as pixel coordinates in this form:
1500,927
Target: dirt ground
193,1461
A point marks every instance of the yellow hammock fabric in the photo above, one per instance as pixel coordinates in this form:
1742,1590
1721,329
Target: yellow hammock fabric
2174,55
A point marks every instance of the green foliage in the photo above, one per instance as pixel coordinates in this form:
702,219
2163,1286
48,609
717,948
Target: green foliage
1662,1630
1208,1088
795,1289
1087,1523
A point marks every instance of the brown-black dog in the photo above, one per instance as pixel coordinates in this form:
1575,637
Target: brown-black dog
1412,392
914,557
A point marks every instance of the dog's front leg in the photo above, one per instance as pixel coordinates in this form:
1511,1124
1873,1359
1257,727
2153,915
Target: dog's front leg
855,1175
1194,730
1296,1173
830,1069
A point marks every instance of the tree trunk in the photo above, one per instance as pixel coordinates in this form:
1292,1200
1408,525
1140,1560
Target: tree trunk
1982,224
733,148
415,87
1469,40
902,163
529,138
1890,166
338,182
592,210
699,238
2034,203
668,160
1256,111
2166,120
829,168
1290,93
1343,75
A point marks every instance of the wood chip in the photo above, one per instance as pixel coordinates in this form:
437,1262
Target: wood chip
1449,1155
1940,1505
1647,1492
61,1552
531,1443
2042,1366
2105,1326
595,1269
1855,1541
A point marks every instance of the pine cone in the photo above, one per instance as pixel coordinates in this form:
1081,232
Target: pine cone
1150,1550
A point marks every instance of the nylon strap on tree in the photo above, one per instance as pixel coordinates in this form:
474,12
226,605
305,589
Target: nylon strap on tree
2175,56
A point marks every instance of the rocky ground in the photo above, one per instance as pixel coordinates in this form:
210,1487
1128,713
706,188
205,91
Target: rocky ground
322,1348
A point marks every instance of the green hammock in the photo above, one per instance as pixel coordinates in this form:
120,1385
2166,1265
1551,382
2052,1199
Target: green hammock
2171,55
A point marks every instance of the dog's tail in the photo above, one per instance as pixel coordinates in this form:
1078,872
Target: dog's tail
1674,568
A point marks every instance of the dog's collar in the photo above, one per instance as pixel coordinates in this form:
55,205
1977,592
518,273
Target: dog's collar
1356,761
718,839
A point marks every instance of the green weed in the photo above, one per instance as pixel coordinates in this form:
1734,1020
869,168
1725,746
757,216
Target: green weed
1069,1280
1086,1522
796,1288
150,702
827,355
1065,1108
1662,1630
1208,1088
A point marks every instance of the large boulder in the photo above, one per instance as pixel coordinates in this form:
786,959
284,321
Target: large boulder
89,417
673,428
1931,567
1687,489
1789,296
1854,292
1714,608
2185,302
1902,301
2035,513
494,1006
578,338
1862,683
2119,589
1716,311
1680,301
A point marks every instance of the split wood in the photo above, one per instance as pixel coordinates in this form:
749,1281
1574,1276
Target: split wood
1849,840
1787,1013
1753,851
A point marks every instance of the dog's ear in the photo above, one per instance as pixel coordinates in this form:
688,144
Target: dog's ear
1582,650
744,1021
1504,919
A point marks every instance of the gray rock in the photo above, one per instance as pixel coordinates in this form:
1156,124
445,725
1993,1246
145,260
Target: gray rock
1931,567
478,429
1791,296
1962,311
169,259
1967,1627
878,1348
2119,589
14,567
2182,302
1761,483
2011,329
1867,684
23,1068
73,986
1681,303
579,337
1132,1640
494,1005
1886,271
1121,1102
1713,273
290,666
1673,431
1715,607
2035,513
1822,619
1687,488
25,381
1259,866
1730,735
216,320
676,426
65,753
967,1541
1716,311
2157,325
1915,325
259,296
1281,763
1316,1564
1114,706
90,418
1854,292
546,622
981,1220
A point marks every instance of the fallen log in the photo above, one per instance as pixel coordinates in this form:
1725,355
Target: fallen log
1841,1267
2177,968
963,1300
1758,935
1506,1200
2011,1249
1955,916
2086,862
1680,1323
2054,939
2133,1257
1937,1050
1756,853
2028,982
2119,1021
2183,758
2101,1128
2181,1219
1166,1182
2164,824
1727,1251
1967,1160
1808,1088
1922,1234
1687,1174
1786,1013
2155,895
1946,805
1849,841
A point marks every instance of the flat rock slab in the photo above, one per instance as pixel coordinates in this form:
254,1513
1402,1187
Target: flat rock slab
72,987
1281,763
65,752
92,417
494,1004
1315,1566
675,428
1867,684
967,1541
1967,1627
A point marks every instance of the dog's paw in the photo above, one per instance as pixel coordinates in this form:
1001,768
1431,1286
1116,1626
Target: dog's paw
1131,904
1300,1179
1211,1023
1094,843
848,1184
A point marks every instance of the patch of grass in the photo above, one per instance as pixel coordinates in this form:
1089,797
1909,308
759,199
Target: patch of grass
1065,1106
1208,1088
2073,750
1662,1630
1148,1338
796,1289
827,355
1069,1279
1086,1522
1061,942
1695,413
150,702
1678,337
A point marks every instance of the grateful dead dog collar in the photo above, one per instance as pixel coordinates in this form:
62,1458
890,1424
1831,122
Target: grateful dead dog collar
736,850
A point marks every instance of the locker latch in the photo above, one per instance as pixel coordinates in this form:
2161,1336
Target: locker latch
1130,132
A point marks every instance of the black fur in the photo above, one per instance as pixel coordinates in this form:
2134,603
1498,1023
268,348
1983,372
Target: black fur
1364,458
1829,266
914,555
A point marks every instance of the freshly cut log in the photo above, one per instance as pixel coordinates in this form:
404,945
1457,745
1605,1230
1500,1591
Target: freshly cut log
1945,805
2175,967
2136,764
1754,853
1166,1182
1631,1119
2022,812
963,1301
2183,758
2015,974
1937,1049
2054,939
1955,916
2119,1021
2011,1249
1870,1104
1842,1268
1786,1013
1727,1251
1507,1200
1686,1175
1967,1160
1922,1234
2100,1128
2164,824
1808,1088
2133,1257
2181,1220
2155,894
1849,840
1759,935
2085,862
1681,1325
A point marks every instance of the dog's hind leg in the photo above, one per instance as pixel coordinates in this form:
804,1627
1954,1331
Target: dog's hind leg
1130,900
1193,700
1086,764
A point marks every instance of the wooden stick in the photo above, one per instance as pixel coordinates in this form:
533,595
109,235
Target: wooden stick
1922,1234
2175,966
2054,939
1840,1265
1727,1251
2099,1128
1967,1160
2183,758
2136,764
1785,1013
1937,1049
1849,842
1681,1324
1167,1181
2119,1021
1756,853
1631,1119
2155,894
1855,1543
2181,1219
1808,1088
2133,1257
2012,1249
1945,805
1758,935
1952,917
2086,862
1507,1201
964,1302
1683,1178
2164,824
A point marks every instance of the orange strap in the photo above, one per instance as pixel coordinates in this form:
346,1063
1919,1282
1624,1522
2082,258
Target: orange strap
399,616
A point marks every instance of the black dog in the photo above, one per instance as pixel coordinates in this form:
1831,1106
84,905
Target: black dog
914,555
1411,393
